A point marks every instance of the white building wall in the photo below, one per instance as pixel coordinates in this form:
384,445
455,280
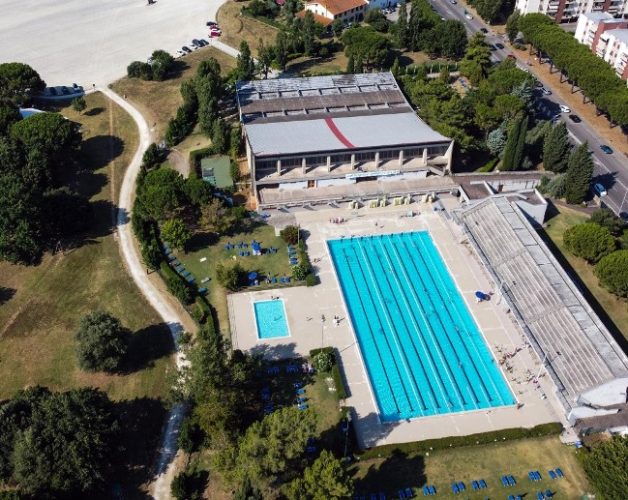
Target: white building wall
572,8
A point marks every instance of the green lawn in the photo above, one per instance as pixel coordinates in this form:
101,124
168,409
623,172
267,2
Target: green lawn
488,462
616,308
38,322
212,249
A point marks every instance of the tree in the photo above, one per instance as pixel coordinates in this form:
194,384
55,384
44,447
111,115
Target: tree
556,149
161,63
579,174
350,65
367,44
69,446
612,271
247,491
16,417
476,60
20,220
325,479
219,135
19,82
176,233
281,50
589,241
337,26
52,136
496,141
290,234
513,152
215,217
102,342
161,194
606,466
272,447
265,57
9,114
245,66
606,218
376,19
65,214
152,157
402,25
512,25
451,38
323,361
230,277
198,191
79,104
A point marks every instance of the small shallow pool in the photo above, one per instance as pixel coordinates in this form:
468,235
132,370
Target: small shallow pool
270,319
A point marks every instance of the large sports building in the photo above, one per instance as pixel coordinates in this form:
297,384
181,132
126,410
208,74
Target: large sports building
314,140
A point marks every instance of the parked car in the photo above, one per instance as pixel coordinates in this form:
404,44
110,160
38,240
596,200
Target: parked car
565,109
500,46
186,49
211,23
599,190
203,42
606,149
546,91
196,43
53,91
575,118
468,16
214,34
453,2
484,30
538,84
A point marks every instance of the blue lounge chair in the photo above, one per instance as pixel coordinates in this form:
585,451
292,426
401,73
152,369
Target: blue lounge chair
202,290
474,485
511,481
559,472
540,496
454,488
461,486
511,497
482,484
409,493
172,257
505,481
175,262
190,280
552,474
433,490
287,279
179,268
300,391
373,496
297,385
548,494
402,495
426,491
303,407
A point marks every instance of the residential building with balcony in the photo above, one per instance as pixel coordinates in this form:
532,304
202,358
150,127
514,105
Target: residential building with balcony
607,37
564,11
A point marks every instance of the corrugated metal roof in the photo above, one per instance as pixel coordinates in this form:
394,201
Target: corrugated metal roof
311,136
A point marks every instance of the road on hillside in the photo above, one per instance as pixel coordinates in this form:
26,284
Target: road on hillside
610,170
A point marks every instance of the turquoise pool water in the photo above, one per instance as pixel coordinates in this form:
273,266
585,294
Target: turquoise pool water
270,318
423,352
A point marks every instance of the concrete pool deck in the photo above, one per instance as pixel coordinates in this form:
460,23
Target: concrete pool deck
304,307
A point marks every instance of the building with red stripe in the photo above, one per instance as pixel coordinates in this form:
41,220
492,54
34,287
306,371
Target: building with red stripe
306,135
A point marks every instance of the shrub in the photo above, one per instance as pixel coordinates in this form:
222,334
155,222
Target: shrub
324,361
341,389
606,467
606,218
290,234
311,280
612,271
589,241
176,285
300,272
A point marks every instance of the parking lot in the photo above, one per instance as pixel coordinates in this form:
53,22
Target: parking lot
92,42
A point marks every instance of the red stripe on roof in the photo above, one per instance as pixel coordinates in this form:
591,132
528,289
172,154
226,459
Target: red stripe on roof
332,126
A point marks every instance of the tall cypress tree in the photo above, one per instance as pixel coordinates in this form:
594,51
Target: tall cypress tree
521,141
579,174
402,26
556,149
350,65
511,146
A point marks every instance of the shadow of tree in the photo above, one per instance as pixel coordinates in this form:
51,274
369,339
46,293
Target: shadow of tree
100,150
397,471
6,294
275,352
141,422
148,345
94,111
201,240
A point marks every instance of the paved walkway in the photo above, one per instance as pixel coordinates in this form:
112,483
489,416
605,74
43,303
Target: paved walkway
157,299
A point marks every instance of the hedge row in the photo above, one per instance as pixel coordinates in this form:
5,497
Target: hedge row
459,441
336,374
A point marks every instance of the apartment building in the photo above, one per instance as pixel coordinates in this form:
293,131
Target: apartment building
327,11
564,11
607,37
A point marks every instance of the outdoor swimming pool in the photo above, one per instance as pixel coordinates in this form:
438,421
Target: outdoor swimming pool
270,318
423,352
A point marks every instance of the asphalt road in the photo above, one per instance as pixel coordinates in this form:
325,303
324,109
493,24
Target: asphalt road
610,170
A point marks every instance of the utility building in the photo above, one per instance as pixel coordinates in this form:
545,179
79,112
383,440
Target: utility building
305,136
